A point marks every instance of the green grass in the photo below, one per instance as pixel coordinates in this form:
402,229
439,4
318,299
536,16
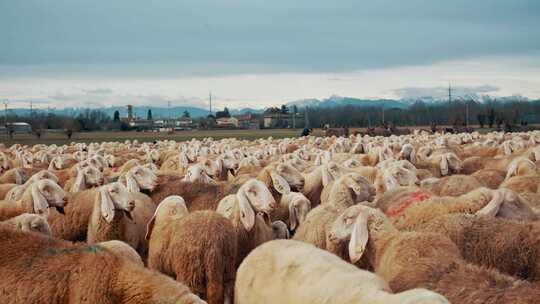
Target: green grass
87,137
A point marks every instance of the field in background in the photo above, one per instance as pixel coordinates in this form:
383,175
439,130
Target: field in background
60,139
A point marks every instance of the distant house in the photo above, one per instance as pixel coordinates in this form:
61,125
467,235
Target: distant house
141,124
227,122
248,121
280,120
17,127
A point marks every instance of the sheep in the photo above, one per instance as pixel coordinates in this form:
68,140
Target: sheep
502,203
348,190
65,273
199,196
489,178
16,192
286,271
441,164
249,211
318,220
422,259
87,177
112,205
454,185
29,222
13,176
292,209
123,250
36,199
5,189
139,178
196,248
275,175
280,230
509,246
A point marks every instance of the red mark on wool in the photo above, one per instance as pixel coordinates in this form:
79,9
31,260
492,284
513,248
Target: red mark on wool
412,198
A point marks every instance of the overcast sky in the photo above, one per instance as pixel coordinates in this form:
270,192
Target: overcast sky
258,53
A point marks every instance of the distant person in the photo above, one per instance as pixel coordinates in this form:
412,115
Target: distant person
306,132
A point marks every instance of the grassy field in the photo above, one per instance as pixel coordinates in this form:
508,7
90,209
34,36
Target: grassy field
60,139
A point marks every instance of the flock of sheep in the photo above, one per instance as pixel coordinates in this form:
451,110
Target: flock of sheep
419,218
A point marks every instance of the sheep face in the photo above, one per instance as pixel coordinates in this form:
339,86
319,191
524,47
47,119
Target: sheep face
293,177
299,207
341,228
258,196
351,163
408,153
361,189
196,173
4,162
513,206
32,223
93,176
212,167
115,196
140,177
47,193
396,176
450,163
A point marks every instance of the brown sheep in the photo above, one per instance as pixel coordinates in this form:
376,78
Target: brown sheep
454,185
78,274
489,178
36,199
198,249
426,260
112,204
502,203
13,176
509,246
28,222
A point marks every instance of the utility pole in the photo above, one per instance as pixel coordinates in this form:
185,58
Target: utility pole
210,101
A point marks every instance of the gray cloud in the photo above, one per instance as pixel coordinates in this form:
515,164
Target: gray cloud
442,92
233,36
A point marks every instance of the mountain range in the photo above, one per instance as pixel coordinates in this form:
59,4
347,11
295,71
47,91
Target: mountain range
195,112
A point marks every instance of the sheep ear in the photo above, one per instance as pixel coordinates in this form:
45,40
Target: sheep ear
413,156
492,208
39,201
79,183
359,238
150,228
247,215
18,178
107,205
326,176
293,215
230,176
131,183
512,169
444,165
280,184
390,181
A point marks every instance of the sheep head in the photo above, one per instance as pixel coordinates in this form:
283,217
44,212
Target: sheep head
46,193
506,203
299,207
520,166
87,176
28,222
140,177
354,225
359,187
173,206
450,163
4,162
253,196
408,153
196,173
396,176
280,230
294,178
115,197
